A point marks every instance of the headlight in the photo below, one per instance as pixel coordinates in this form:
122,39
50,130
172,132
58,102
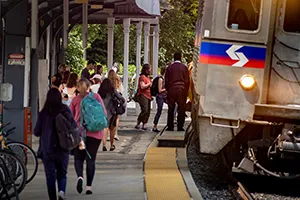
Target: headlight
247,82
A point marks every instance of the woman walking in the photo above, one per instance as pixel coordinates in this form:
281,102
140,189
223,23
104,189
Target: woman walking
160,98
69,92
93,140
117,84
55,159
107,92
144,96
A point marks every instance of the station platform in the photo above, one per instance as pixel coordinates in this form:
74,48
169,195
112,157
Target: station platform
137,170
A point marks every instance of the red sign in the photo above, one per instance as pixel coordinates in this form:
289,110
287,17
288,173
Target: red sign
16,56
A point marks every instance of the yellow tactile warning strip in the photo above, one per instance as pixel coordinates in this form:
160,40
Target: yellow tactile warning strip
162,176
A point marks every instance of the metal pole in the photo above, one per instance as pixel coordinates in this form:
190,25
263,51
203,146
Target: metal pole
139,27
66,23
126,24
110,42
34,61
85,28
146,42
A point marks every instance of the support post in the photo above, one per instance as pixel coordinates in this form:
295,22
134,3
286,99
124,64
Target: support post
85,28
66,24
34,61
110,42
139,27
48,48
146,42
155,50
54,52
126,24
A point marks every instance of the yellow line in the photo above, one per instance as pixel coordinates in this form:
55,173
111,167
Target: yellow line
162,176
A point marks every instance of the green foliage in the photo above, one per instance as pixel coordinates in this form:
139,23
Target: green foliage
177,30
74,53
177,34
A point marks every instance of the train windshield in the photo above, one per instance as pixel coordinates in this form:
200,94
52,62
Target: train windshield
244,14
292,16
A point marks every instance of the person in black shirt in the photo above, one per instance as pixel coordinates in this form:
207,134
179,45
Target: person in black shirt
177,83
85,72
98,70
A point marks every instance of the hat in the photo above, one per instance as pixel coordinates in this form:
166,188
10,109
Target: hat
98,76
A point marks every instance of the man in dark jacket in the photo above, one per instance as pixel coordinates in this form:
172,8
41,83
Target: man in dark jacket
85,72
177,85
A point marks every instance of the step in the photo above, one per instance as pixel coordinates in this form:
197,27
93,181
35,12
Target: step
171,139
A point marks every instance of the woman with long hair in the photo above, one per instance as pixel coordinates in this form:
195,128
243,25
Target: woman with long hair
144,96
117,84
160,98
55,159
93,140
69,92
107,92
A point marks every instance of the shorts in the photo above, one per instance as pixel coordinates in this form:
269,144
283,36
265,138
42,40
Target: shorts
112,121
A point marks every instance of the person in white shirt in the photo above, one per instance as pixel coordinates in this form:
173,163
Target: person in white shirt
97,82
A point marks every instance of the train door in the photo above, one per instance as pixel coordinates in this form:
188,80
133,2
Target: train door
285,73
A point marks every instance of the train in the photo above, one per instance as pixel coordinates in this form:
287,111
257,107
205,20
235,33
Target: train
246,85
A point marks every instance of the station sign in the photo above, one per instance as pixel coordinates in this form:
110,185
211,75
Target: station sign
16,59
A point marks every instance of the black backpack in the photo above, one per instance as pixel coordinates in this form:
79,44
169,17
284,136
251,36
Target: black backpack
154,88
67,130
119,104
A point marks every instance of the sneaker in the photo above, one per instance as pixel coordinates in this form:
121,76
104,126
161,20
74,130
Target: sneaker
117,137
112,148
156,130
104,148
145,129
79,185
88,192
137,127
61,195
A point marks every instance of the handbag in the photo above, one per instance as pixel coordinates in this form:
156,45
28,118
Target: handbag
135,96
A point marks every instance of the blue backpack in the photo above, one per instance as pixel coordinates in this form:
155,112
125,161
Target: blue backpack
92,113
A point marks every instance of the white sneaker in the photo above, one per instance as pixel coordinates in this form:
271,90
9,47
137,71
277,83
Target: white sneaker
61,195
117,137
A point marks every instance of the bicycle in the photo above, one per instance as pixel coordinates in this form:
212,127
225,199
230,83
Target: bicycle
13,173
25,153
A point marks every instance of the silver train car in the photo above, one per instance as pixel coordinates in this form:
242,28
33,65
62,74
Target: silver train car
246,75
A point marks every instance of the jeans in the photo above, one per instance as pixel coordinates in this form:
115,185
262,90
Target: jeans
56,169
145,105
92,145
160,103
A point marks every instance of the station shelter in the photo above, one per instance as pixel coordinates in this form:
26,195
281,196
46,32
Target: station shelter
34,37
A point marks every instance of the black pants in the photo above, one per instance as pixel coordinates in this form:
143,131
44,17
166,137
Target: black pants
145,105
92,145
176,95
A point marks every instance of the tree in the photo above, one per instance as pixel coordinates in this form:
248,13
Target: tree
177,26
177,30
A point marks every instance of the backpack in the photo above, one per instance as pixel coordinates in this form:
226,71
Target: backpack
154,88
119,104
67,130
92,114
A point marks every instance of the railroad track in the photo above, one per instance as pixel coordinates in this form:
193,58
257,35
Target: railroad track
265,187
244,193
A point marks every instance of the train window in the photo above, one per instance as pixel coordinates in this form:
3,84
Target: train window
292,16
244,14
